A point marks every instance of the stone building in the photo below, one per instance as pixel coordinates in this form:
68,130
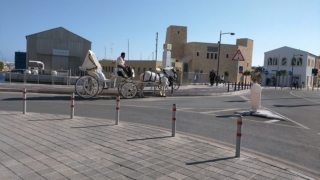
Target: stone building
201,57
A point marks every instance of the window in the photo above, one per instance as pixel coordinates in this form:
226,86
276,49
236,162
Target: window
284,61
178,32
299,62
211,55
312,63
247,64
150,69
275,61
215,56
198,53
293,61
270,61
208,54
144,69
227,55
308,62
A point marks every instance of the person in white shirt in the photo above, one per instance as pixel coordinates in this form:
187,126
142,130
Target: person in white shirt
121,64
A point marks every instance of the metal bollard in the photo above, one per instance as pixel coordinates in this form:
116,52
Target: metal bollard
174,110
118,110
72,106
239,124
235,86
228,86
24,100
238,86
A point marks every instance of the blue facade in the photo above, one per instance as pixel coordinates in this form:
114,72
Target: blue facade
20,60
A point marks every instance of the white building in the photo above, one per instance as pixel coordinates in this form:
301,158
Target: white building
293,60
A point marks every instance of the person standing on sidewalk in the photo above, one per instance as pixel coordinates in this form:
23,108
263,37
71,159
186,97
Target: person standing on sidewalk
212,76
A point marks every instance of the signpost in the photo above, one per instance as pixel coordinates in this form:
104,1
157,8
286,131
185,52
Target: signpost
266,72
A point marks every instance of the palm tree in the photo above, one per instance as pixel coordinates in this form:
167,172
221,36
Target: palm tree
226,75
283,73
246,73
256,74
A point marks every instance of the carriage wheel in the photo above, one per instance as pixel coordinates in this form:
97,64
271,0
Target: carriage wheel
176,84
129,90
87,86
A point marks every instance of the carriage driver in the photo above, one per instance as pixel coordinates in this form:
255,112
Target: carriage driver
121,64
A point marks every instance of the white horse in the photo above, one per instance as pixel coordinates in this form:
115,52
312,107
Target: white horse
161,78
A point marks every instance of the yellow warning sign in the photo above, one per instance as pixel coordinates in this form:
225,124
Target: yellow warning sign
238,56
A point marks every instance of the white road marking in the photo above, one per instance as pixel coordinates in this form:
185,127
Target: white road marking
318,133
287,118
271,121
221,110
245,98
304,98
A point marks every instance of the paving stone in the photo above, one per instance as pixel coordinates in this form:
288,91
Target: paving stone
68,172
30,176
90,173
77,176
155,174
176,175
43,172
53,176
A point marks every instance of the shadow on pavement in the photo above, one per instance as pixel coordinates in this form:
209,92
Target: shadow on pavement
94,126
149,138
62,119
237,101
209,161
303,105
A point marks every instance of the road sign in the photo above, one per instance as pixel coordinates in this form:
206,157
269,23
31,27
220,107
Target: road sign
238,56
290,72
266,72
262,69
240,69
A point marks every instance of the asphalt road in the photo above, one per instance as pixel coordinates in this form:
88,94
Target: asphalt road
294,141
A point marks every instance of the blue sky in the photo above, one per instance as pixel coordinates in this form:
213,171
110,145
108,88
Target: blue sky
111,23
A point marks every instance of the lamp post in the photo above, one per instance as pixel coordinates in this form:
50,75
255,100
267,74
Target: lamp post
219,52
300,55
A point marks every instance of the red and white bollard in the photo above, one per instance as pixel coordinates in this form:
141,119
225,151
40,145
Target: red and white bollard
72,106
239,124
24,100
174,111
118,110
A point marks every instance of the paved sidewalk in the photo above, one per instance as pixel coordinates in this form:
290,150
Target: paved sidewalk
45,146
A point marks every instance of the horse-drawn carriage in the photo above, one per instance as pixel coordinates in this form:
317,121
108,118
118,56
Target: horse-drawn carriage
88,86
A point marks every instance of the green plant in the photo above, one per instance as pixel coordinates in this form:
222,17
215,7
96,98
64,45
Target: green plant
283,73
1,66
246,73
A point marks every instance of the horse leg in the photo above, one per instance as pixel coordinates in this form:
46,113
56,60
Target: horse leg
141,87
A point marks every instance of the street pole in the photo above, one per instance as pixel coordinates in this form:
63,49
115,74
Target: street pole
219,52
218,59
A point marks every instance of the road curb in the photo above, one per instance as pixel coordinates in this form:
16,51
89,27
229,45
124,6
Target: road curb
116,93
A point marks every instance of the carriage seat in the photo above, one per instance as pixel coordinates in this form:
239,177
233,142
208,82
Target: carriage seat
121,73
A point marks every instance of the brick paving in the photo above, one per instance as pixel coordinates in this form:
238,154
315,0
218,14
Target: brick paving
36,146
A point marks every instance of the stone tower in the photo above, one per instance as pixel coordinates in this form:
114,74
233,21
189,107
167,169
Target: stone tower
177,36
